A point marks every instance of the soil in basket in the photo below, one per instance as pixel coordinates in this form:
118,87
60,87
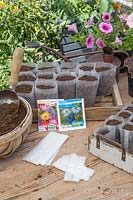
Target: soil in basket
9,119
102,69
26,68
88,78
45,87
46,77
86,68
130,108
26,78
125,115
113,122
128,127
23,88
65,78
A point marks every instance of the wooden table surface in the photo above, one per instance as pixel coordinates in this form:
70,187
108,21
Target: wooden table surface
24,181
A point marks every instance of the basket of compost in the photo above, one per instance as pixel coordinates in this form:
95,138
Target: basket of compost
14,126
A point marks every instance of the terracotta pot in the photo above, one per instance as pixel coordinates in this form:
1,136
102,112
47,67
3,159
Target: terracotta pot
107,58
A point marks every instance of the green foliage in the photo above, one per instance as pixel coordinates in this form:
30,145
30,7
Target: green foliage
24,21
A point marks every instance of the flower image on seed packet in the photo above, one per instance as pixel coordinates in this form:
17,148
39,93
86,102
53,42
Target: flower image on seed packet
47,115
71,114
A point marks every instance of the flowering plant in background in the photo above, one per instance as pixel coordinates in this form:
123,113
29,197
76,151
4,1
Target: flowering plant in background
106,30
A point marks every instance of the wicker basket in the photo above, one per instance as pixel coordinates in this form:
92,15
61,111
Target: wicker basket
11,141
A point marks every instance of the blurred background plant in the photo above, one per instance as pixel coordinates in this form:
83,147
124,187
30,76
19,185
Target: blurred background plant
24,21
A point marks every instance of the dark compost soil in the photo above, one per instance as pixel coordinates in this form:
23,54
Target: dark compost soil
65,78
113,122
45,87
88,78
24,88
26,78
9,119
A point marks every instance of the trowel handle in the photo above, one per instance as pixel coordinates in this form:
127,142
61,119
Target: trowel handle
16,65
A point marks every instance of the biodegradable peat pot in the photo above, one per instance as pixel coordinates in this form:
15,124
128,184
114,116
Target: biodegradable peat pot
115,121
26,76
86,87
125,114
11,141
46,89
107,74
66,85
45,76
25,89
108,132
126,135
28,67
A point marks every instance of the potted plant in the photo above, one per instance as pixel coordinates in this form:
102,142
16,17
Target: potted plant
113,30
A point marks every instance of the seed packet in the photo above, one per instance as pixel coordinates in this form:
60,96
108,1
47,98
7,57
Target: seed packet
71,114
47,115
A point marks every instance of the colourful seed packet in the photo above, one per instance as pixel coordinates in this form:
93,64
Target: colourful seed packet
71,114
47,115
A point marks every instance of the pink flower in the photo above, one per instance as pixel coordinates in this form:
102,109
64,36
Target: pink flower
106,17
100,43
89,22
118,41
130,20
73,28
89,41
105,27
123,17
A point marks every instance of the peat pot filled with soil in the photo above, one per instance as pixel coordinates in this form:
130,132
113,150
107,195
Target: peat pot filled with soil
46,89
68,66
47,67
107,73
126,133
129,107
86,87
125,114
115,121
28,67
45,75
66,82
25,89
26,76
85,67
14,126
108,132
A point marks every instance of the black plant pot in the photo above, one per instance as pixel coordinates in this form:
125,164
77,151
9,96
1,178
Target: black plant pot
130,85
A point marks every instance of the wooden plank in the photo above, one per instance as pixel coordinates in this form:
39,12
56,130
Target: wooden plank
116,95
100,113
